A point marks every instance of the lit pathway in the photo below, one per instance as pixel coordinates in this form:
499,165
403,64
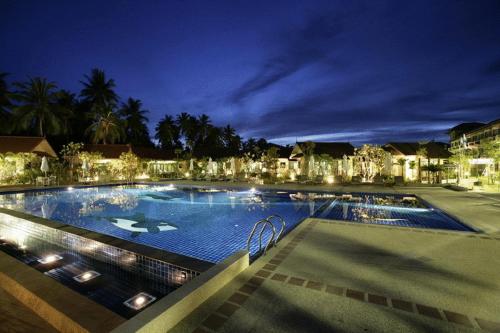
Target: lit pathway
340,277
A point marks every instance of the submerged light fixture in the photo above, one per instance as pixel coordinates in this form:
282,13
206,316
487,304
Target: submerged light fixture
86,276
49,259
139,301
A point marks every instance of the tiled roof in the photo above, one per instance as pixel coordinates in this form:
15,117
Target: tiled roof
115,150
26,144
108,150
335,149
153,153
434,149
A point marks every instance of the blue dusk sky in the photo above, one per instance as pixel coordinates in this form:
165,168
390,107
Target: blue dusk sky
359,71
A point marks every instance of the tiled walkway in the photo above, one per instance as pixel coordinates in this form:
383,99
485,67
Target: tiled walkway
327,277
16,318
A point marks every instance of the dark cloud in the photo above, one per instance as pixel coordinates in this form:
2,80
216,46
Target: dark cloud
492,68
309,44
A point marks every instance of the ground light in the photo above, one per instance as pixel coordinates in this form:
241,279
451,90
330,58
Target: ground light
86,276
139,301
49,259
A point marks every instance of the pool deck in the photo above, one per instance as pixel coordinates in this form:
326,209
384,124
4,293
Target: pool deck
15,317
346,277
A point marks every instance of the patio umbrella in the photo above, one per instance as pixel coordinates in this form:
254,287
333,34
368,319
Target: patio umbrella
85,166
388,164
214,166
209,166
45,166
191,165
311,166
345,165
233,166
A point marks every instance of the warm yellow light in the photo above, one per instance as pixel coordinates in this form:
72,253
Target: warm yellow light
50,259
140,300
329,179
22,247
187,174
87,276
253,189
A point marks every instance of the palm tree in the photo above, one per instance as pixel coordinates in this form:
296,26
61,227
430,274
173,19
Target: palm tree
188,127
136,129
38,109
67,102
308,151
204,126
106,128
167,133
232,142
402,163
98,90
5,103
421,153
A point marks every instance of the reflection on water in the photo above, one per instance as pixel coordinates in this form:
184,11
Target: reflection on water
209,223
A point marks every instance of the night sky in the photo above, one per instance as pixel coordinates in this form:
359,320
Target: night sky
368,71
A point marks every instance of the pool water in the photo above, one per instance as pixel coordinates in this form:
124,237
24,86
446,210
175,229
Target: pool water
210,223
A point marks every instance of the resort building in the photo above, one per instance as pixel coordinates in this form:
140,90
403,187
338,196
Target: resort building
477,142
417,160
323,159
153,160
285,165
18,152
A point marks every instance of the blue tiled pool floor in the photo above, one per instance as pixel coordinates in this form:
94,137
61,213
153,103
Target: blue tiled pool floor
209,223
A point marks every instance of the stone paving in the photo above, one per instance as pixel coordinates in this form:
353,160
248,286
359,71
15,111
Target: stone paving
16,318
344,277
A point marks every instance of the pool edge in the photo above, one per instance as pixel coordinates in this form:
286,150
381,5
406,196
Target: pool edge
171,309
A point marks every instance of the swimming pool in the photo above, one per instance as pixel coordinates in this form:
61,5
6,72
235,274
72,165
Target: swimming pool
211,223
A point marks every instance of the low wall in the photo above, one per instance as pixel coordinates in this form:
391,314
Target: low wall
170,310
61,307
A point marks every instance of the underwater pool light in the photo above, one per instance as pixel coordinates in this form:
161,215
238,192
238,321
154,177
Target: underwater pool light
86,276
70,188
139,301
50,259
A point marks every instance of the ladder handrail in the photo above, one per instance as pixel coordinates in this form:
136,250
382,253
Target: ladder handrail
265,222
283,225
273,229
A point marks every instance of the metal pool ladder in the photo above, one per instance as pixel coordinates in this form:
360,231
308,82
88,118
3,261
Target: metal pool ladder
265,223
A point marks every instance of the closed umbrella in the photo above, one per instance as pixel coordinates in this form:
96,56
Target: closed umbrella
85,167
191,164
345,165
45,166
311,166
209,166
388,164
233,166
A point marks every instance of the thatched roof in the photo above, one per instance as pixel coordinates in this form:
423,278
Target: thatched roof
26,144
113,151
